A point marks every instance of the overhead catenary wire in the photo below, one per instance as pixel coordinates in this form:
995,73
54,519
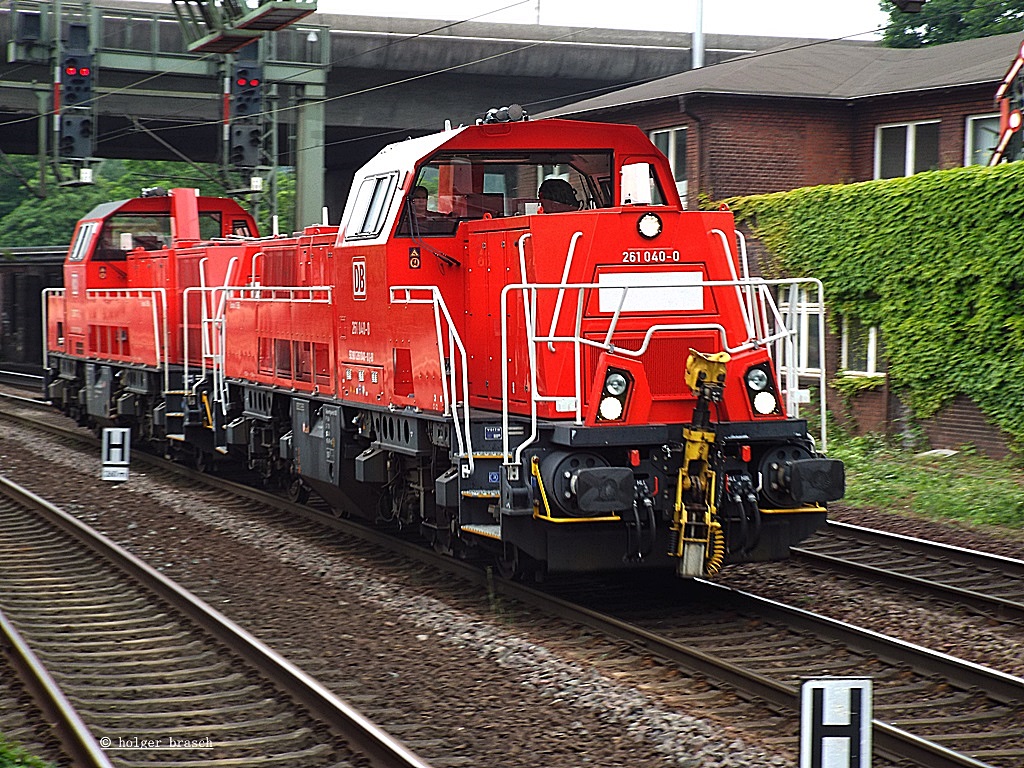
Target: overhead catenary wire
138,125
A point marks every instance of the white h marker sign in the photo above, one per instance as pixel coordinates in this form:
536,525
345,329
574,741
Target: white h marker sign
116,450
835,723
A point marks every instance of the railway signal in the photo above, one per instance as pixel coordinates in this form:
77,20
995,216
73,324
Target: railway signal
76,80
76,131
245,143
246,91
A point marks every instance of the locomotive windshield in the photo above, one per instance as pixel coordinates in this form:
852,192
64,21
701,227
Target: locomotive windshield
123,232
472,185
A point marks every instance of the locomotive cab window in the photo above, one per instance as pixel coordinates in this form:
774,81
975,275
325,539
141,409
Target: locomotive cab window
373,200
124,232
476,185
82,241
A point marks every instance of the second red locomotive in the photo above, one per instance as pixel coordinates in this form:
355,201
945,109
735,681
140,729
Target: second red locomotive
517,341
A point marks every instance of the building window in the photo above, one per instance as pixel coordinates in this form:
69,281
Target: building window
862,353
804,319
982,135
672,143
906,149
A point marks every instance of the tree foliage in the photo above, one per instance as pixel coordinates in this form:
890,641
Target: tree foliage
26,220
935,260
947,21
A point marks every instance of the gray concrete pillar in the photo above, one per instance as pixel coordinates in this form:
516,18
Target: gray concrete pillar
309,155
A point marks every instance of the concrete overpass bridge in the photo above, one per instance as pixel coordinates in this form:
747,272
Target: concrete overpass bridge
338,87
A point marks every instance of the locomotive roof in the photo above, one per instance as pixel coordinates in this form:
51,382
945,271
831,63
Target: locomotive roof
103,210
156,204
544,135
530,134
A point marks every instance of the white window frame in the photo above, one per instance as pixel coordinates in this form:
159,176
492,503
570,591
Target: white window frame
808,310
844,353
83,240
373,203
673,133
969,147
911,148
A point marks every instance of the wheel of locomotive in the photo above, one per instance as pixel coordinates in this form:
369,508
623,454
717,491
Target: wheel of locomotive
298,491
202,461
444,537
515,565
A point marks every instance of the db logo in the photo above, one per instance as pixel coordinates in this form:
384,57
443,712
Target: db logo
359,278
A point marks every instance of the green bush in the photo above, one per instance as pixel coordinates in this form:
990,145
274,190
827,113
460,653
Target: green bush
13,756
935,260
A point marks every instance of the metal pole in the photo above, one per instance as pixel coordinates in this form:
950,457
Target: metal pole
42,131
698,37
58,48
273,99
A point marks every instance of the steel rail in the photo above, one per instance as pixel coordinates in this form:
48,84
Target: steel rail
382,749
76,739
1007,608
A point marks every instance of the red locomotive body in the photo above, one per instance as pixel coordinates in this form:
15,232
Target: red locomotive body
590,387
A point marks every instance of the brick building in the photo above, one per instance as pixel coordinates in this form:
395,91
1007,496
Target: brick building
827,113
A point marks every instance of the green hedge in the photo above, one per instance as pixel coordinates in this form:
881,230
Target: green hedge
935,260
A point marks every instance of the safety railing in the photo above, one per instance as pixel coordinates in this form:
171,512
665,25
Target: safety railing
48,293
454,379
158,312
212,321
211,332
764,326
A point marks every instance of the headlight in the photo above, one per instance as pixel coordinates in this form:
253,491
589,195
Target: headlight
649,226
611,409
615,384
764,403
757,379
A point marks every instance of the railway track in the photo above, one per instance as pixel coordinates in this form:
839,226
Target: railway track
931,709
143,668
30,383
982,582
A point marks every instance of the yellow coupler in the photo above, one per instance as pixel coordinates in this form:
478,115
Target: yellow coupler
697,535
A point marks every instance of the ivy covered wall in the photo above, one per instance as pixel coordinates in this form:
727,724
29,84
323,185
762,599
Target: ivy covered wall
935,260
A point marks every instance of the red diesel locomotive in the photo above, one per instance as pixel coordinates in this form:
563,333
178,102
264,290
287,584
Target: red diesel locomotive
591,387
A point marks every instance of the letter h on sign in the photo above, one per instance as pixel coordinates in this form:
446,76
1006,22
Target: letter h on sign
835,723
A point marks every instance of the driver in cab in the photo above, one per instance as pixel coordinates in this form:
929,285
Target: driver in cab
557,196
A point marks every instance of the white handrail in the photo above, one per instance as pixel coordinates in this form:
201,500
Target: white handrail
404,294
47,293
565,277
751,293
745,307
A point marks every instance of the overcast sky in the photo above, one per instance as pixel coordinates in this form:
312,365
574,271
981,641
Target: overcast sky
782,18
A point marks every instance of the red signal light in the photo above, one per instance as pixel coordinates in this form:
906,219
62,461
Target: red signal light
253,83
240,82
85,71
70,71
